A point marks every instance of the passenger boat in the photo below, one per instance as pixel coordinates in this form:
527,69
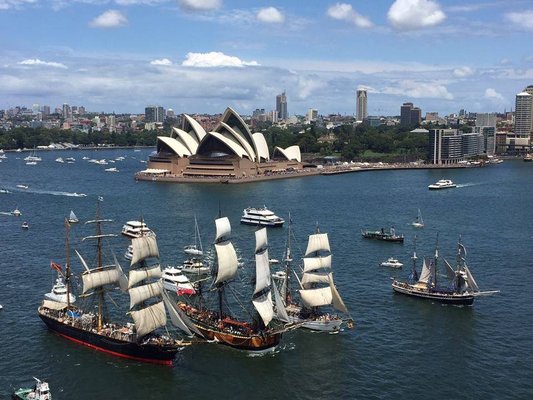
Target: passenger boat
389,236
175,282
40,391
220,325
90,325
136,229
460,288
392,263
442,184
316,289
261,216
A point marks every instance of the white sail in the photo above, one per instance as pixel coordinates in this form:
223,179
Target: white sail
281,312
316,297
139,274
314,263
141,293
336,297
72,217
265,308
471,282
227,261
98,278
123,279
83,262
425,273
223,228
262,271
261,240
54,305
143,247
317,242
450,272
149,319
178,318
309,278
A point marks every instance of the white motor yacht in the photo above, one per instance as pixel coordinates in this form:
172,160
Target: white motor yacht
59,292
175,281
136,229
442,184
16,212
260,216
128,254
392,263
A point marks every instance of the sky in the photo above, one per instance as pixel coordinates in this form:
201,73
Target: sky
201,56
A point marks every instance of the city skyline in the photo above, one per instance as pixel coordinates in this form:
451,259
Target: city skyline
199,56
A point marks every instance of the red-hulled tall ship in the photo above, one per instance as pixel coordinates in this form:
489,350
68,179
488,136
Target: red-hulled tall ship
219,325
135,340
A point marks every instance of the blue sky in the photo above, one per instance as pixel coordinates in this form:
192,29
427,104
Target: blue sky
200,56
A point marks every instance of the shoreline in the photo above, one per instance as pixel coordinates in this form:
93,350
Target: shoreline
327,171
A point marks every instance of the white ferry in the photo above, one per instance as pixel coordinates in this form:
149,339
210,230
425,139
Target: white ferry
175,281
136,229
442,184
260,216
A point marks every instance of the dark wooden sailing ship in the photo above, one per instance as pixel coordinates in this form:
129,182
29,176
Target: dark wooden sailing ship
386,236
137,340
219,325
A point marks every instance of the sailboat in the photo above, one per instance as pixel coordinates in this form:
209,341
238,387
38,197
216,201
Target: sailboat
90,324
72,218
316,288
219,325
195,249
418,222
461,288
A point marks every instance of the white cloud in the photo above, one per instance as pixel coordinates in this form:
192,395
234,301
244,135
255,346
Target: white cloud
200,5
36,61
522,19
7,4
463,72
161,61
270,15
215,59
490,93
109,19
345,12
308,85
419,90
406,15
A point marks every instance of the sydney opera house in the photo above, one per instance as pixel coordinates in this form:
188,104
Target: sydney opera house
231,150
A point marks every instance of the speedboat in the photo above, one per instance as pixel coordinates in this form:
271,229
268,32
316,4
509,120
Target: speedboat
112,169
260,216
5,191
40,391
175,281
59,292
16,212
136,229
442,184
22,186
25,225
79,194
60,160
392,263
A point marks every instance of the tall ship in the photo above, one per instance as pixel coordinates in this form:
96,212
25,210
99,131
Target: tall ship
261,217
218,323
458,288
316,288
91,324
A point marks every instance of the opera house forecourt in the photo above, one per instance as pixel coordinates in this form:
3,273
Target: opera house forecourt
228,154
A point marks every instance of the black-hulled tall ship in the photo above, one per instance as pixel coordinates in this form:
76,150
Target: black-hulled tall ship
135,340
459,288
219,324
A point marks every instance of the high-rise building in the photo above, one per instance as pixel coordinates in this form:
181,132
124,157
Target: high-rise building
485,119
361,104
405,114
46,111
312,115
154,114
281,106
450,146
415,116
66,111
522,119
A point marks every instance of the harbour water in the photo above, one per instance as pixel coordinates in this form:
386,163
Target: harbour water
400,347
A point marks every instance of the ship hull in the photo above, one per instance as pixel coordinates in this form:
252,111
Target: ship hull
151,353
333,325
246,221
447,298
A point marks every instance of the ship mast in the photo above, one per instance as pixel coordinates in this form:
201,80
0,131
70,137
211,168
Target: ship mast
288,259
67,261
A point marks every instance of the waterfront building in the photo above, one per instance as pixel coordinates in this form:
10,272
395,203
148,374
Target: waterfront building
230,150
361,105
154,114
489,138
523,115
281,106
451,146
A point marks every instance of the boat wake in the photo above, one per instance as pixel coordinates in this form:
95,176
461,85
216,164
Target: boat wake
461,185
56,193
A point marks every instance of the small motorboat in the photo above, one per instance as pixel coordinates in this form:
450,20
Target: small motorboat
23,187
392,263
4,191
25,225
16,212
40,391
442,184
113,169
